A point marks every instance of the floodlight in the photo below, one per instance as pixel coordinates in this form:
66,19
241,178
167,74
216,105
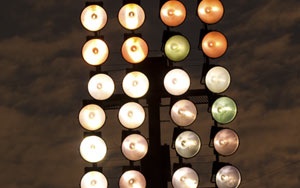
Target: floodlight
92,117
132,179
93,179
135,84
173,13
177,48
101,86
217,79
93,17
131,16
226,142
187,144
183,112
134,50
131,115
177,82
214,44
134,147
210,11
185,177
93,149
224,110
95,51
228,177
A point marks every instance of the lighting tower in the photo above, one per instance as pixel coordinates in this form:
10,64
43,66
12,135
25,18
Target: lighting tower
153,79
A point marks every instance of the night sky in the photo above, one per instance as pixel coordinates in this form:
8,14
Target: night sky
44,80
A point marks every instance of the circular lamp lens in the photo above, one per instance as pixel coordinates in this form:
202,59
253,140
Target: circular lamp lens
95,52
214,44
228,177
210,11
187,144
131,16
93,17
132,179
131,115
134,50
93,149
173,13
101,86
93,179
224,110
134,147
92,117
135,84
226,142
177,82
185,177
183,112
217,79
177,48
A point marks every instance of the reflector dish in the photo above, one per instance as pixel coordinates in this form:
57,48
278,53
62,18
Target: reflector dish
173,13
93,17
226,142
183,112
95,52
224,110
93,179
134,147
210,11
131,115
101,86
214,44
228,177
92,117
177,82
135,84
132,179
187,144
177,48
93,149
217,79
131,16
185,177
134,50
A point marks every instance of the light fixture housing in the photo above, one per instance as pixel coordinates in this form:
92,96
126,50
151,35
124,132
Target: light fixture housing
95,51
131,115
93,17
177,82
177,48
224,110
132,179
210,11
134,147
187,144
93,149
183,112
228,177
131,16
173,13
134,49
92,117
214,44
185,177
217,79
135,84
93,179
226,142
101,86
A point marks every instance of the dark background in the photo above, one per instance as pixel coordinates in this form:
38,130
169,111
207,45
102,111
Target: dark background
44,79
